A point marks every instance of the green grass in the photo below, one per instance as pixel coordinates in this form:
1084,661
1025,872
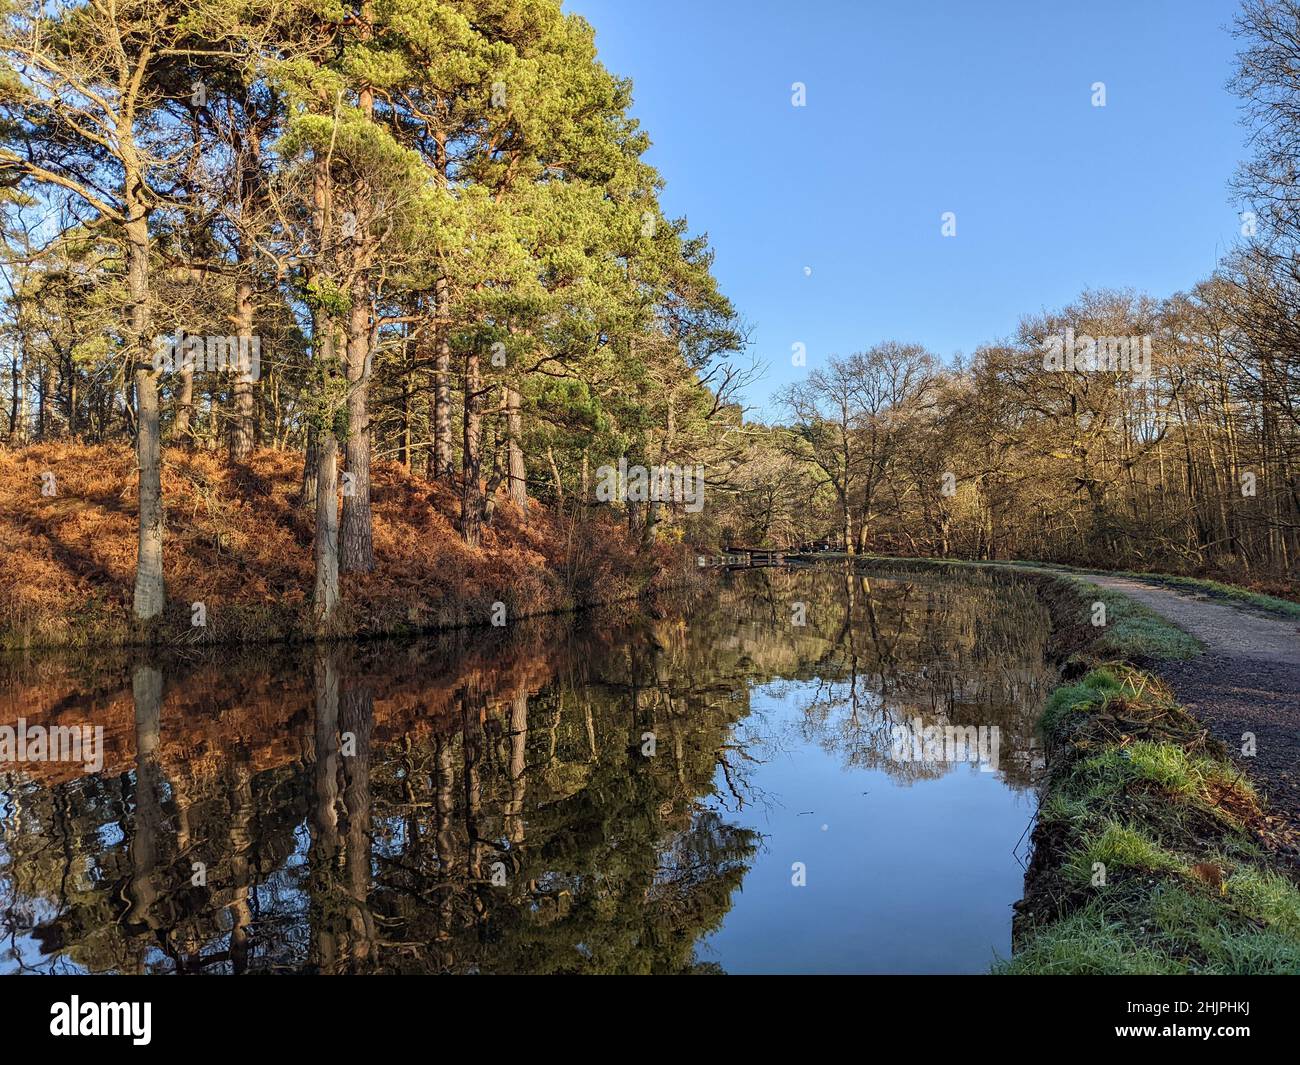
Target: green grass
1132,630
1118,847
1173,930
1193,778
1087,943
1070,699
1136,788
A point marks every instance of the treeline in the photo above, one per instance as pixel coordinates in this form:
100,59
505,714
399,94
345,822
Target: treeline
419,230
1190,462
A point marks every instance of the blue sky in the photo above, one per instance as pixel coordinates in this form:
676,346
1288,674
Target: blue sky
918,107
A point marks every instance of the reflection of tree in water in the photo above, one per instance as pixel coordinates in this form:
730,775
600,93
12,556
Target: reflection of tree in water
487,809
476,803
875,652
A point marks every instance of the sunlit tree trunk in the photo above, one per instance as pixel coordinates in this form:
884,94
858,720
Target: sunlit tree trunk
471,497
150,594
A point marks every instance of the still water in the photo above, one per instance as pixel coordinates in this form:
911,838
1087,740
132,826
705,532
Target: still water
714,788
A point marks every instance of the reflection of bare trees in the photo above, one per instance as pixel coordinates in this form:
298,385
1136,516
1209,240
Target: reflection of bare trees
877,652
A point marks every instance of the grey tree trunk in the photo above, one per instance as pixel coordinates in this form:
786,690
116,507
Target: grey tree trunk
183,426
150,592
517,470
442,443
243,428
358,554
471,497
325,596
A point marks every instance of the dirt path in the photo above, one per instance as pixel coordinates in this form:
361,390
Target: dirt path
1247,680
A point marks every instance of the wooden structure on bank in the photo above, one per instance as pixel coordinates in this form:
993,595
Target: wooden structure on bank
749,557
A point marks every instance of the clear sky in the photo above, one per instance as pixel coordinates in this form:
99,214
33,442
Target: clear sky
917,107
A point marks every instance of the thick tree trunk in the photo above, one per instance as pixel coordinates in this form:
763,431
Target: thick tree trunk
516,469
325,597
243,430
441,413
358,546
243,434
358,554
150,592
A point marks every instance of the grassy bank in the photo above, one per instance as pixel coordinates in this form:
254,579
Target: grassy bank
1149,851
238,542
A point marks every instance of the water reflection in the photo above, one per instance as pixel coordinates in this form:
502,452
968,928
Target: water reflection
555,799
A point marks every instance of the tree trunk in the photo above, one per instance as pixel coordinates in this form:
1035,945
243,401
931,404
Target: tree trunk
358,546
517,471
310,463
18,409
442,458
471,496
150,591
358,554
183,425
242,430
404,409
325,597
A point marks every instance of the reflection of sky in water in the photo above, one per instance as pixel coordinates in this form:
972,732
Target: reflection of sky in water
905,878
